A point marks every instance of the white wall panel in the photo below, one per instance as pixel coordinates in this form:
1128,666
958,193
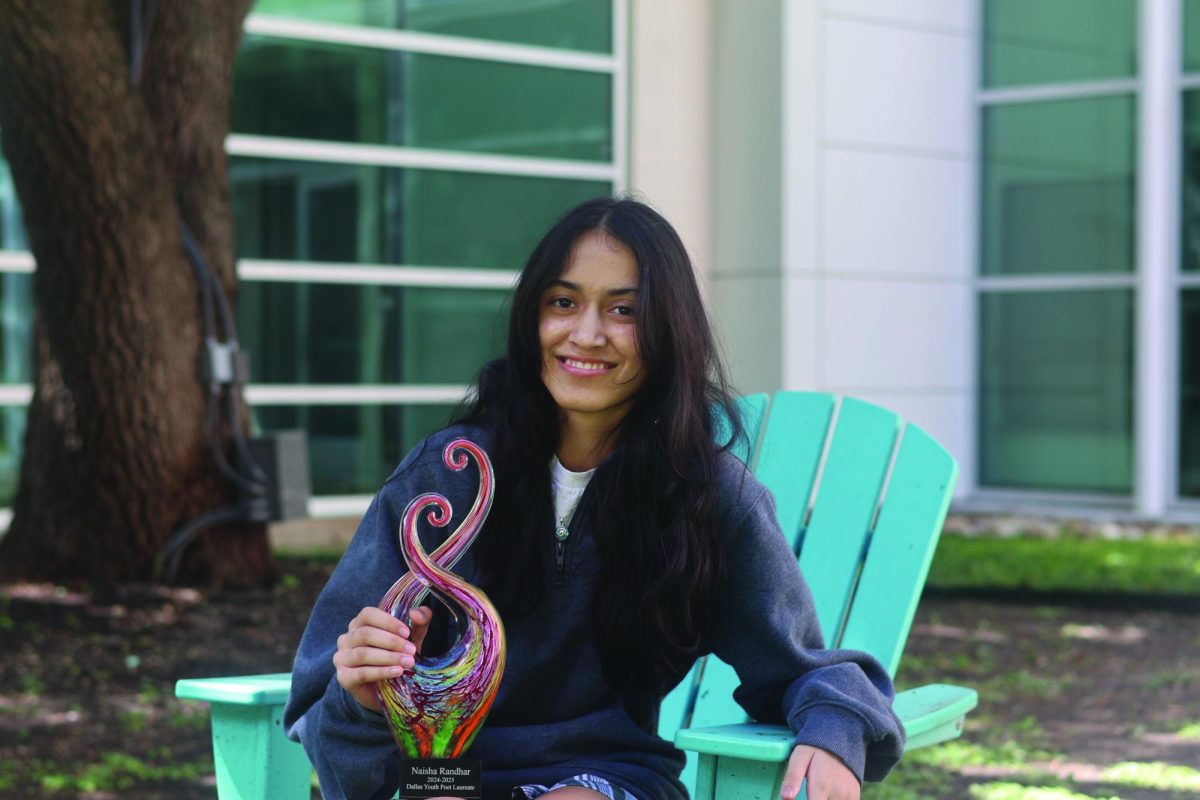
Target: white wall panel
883,335
896,87
802,346
749,310
670,112
888,214
952,15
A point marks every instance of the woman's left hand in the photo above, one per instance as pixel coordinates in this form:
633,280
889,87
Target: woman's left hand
828,778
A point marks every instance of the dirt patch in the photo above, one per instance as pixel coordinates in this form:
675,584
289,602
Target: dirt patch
1105,700
87,707
87,678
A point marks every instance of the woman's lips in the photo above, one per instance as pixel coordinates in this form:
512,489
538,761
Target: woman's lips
584,366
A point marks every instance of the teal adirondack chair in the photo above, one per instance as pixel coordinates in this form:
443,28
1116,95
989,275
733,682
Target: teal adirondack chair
861,497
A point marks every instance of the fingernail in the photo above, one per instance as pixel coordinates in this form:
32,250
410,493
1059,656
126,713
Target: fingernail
409,647
396,671
788,792
403,631
406,661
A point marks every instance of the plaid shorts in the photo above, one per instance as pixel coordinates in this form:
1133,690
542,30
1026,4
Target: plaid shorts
593,782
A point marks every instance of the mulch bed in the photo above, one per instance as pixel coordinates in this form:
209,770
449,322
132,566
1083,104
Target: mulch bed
87,678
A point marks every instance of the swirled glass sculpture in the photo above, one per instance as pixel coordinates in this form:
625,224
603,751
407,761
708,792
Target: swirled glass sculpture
435,709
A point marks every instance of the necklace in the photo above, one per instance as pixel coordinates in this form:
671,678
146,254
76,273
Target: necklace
561,531
567,488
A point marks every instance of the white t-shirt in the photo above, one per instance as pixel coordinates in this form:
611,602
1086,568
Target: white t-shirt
567,488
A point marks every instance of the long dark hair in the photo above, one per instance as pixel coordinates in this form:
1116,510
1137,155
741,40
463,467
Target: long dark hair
651,501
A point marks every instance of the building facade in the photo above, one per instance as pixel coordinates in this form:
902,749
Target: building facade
978,213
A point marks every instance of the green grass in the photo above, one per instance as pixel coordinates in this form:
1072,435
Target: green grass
188,715
1019,752
32,685
1027,683
955,755
1016,761
910,781
115,772
1068,563
928,773
1155,775
1179,679
1005,790
134,721
1189,730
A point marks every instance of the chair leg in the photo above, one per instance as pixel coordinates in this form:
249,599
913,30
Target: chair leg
253,758
730,778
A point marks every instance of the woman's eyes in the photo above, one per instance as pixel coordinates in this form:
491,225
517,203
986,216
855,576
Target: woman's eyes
622,310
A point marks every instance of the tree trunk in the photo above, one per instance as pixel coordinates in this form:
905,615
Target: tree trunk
116,455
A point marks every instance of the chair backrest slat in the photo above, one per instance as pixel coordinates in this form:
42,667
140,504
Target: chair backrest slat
790,454
845,503
901,549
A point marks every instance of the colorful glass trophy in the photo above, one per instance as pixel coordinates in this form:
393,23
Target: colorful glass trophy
435,709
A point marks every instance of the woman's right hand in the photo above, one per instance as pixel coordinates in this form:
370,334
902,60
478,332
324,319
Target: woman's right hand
375,647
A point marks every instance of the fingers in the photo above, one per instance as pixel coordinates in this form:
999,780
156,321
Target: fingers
375,647
421,615
828,778
384,650
373,617
420,618
796,770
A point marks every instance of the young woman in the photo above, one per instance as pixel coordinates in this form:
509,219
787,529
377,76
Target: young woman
601,422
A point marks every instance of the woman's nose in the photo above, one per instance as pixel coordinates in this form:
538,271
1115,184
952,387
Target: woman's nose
588,330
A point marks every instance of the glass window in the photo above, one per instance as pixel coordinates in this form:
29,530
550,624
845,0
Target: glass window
16,327
1056,390
12,229
1189,394
309,211
1191,35
310,90
566,24
1190,221
352,449
16,366
1059,187
334,333
12,437
1036,41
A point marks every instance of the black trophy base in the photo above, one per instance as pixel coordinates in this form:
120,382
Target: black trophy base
441,777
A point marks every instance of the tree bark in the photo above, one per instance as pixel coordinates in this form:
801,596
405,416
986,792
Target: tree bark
116,456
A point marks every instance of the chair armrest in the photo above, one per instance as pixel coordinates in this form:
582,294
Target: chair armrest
253,758
930,714
244,690
933,713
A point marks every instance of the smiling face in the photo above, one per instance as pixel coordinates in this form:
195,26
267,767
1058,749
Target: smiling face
586,327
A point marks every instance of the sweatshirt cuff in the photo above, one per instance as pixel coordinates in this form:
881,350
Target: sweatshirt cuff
837,731
353,710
